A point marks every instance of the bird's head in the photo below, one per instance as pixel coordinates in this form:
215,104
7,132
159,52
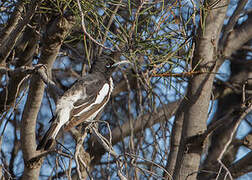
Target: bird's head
106,65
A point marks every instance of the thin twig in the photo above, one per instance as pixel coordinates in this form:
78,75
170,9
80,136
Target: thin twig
246,110
135,156
77,156
85,31
69,169
109,24
109,148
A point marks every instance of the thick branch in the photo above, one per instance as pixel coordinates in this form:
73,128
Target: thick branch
175,140
8,45
195,106
238,37
13,88
233,19
241,167
51,46
12,22
227,102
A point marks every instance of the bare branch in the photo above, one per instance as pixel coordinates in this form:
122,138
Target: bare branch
12,22
8,45
85,31
233,19
53,40
238,36
147,120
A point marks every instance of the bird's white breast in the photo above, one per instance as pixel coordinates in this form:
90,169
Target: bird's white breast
65,105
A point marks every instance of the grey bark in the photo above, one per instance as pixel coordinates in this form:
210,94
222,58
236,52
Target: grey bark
195,106
52,42
25,56
8,45
12,22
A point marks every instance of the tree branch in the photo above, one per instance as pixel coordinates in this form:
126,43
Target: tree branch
237,37
8,45
162,114
196,103
12,22
233,19
52,43
242,166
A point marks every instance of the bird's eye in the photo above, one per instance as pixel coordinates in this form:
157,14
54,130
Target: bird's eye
108,65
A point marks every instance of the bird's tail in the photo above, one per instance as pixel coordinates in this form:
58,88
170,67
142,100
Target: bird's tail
49,137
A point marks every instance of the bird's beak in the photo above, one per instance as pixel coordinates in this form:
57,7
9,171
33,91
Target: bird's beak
121,62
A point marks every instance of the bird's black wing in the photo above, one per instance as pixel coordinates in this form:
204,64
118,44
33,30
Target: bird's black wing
89,86
85,107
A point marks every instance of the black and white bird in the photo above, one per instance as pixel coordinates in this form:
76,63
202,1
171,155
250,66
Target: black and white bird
83,101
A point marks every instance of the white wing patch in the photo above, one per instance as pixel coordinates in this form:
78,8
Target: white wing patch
101,95
63,117
111,84
63,109
99,98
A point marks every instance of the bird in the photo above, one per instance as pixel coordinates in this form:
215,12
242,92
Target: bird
83,100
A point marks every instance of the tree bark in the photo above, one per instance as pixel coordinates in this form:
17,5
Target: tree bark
8,45
196,103
12,22
25,56
229,106
52,41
